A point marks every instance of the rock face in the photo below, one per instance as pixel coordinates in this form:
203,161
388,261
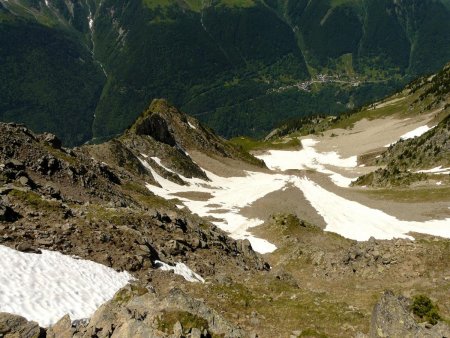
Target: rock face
391,318
12,326
135,312
156,127
166,124
62,329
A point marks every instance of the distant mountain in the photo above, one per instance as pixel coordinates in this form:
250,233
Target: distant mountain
84,69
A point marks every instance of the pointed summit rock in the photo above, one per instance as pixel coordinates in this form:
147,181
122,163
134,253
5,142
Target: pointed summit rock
168,125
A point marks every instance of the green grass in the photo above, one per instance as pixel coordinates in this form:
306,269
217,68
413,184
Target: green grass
124,295
153,4
250,144
411,195
35,201
400,107
188,321
238,3
336,3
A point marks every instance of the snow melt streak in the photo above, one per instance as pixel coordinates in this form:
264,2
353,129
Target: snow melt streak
228,196
309,158
359,222
182,270
45,287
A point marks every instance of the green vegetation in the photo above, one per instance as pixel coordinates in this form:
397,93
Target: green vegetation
49,81
424,308
248,144
411,196
35,201
124,295
145,196
187,320
234,64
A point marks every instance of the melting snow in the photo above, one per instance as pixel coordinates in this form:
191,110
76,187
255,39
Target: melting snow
347,218
359,222
416,132
192,126
413,133
45,287
182,270
309,158
229,194
438,171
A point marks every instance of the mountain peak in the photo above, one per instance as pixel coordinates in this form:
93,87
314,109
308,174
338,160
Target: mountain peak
167,124
155,122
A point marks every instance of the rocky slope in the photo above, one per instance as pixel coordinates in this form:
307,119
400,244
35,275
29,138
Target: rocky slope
403,160
92,202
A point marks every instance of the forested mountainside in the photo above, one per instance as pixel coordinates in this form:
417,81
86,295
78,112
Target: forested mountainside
83,69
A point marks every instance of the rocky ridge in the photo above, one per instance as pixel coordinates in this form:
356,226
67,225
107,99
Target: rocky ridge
65,200
92,202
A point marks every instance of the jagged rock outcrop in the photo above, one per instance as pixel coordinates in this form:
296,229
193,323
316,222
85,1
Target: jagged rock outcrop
65,200
13,326
166,124
133,312
392,318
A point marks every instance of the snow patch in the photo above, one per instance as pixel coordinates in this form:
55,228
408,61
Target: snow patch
228,196
182,270
45,287
192,126
416,132
437,171
413,133
309,158
359,222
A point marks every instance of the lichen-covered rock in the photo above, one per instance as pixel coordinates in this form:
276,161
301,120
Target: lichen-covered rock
391,318
13,326
62,329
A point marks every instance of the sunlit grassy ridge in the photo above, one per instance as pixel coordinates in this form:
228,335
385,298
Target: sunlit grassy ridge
198,5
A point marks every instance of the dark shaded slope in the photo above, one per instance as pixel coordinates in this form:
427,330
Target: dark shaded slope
48,80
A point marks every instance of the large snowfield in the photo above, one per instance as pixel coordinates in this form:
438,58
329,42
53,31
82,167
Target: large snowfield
45,287
359,222
347,218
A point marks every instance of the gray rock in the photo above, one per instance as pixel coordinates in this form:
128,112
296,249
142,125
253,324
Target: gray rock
13,326
391,318
53,140
178,329
14,164
27,248
62,329
195,333
24,180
